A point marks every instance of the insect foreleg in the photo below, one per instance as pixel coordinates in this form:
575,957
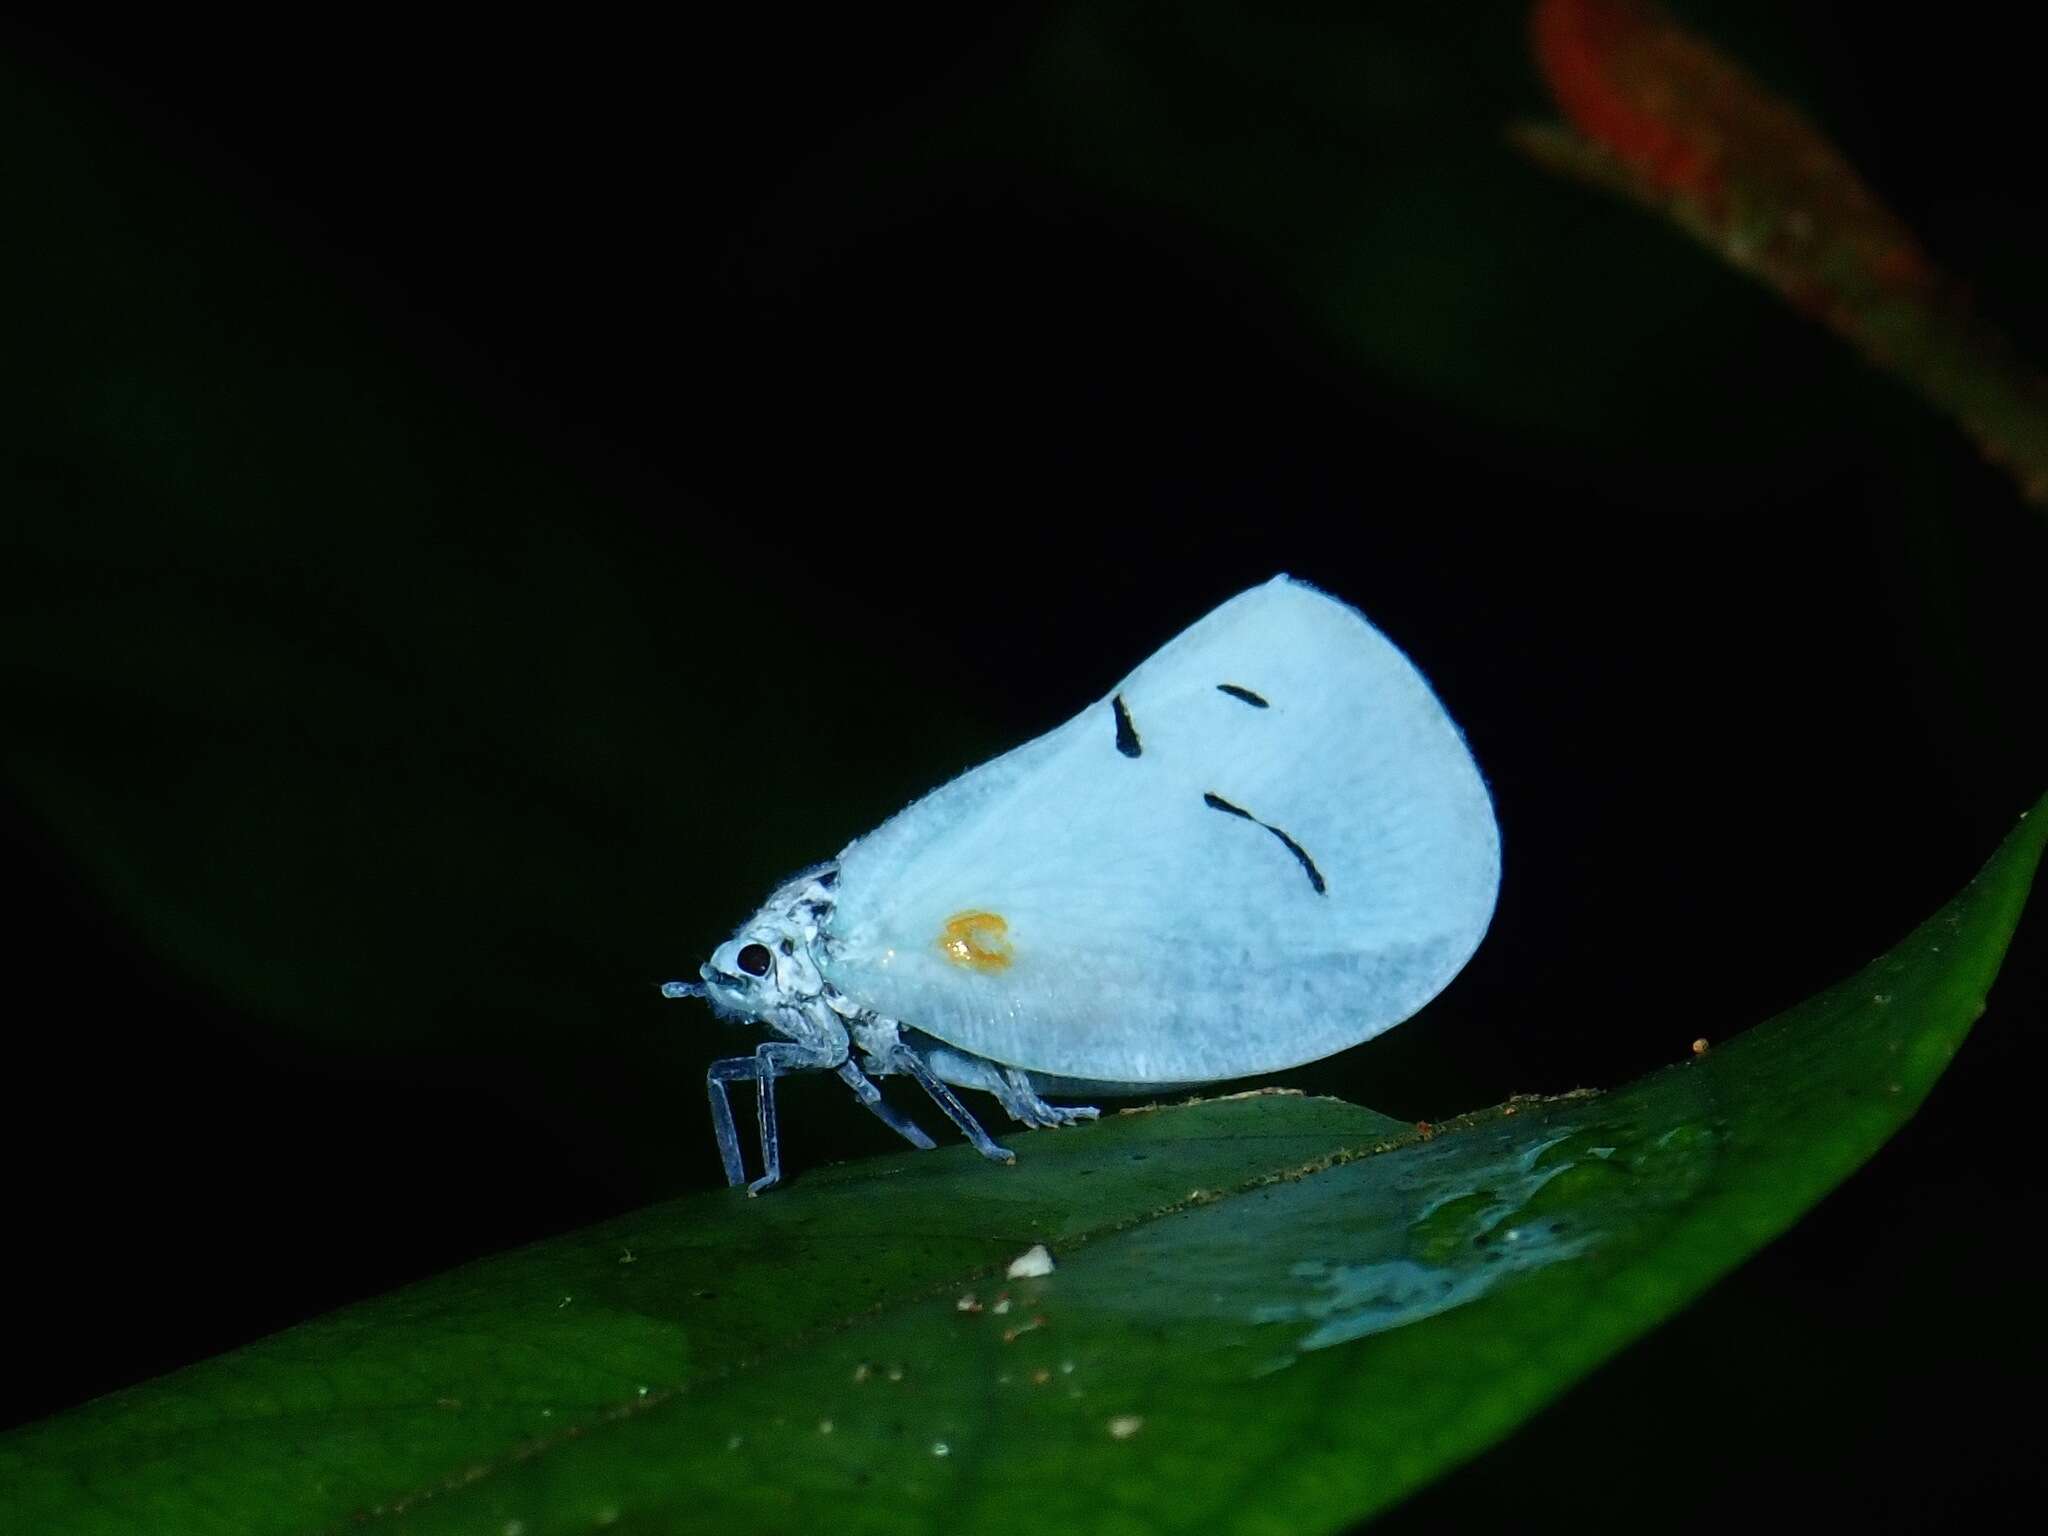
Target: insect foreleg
773,1057
721,1116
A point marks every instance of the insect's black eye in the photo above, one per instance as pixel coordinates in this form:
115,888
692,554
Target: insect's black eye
754,959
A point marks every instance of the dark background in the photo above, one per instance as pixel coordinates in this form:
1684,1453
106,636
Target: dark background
500,498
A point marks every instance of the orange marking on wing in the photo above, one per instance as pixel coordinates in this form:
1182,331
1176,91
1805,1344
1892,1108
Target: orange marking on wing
979,941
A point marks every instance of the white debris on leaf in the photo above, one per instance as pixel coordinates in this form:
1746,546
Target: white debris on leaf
1031,1263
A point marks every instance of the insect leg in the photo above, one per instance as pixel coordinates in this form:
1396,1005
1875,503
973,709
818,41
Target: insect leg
888,1114
955,1110
767,1060
721,1115
1025,1106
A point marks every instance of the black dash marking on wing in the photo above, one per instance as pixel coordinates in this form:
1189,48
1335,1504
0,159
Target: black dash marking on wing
1315,876
1243,693
1126,733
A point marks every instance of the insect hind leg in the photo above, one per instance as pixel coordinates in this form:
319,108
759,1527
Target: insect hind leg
1014,1089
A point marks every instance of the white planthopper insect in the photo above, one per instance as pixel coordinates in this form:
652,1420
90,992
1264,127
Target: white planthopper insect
1269,843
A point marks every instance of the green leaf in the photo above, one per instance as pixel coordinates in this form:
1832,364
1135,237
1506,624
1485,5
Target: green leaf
1270,1312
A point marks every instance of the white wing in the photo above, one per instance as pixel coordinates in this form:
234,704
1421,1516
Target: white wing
1191,881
